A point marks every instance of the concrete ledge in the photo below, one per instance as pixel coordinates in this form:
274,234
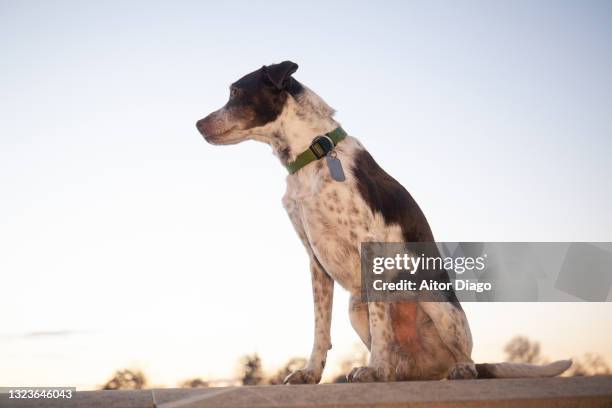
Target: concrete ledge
544,392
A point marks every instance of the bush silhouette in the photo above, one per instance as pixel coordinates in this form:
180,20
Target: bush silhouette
126,380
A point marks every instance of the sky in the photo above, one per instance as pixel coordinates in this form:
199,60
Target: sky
127,241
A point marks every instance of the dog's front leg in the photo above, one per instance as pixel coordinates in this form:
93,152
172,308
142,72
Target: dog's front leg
323,294
380,367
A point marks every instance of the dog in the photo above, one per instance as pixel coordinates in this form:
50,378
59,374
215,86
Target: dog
338,197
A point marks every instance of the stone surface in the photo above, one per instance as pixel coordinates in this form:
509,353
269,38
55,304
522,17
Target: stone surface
544,392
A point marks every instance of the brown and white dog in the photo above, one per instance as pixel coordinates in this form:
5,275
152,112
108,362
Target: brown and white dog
407,340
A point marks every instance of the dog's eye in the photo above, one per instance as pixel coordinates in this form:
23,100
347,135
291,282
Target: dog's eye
233,92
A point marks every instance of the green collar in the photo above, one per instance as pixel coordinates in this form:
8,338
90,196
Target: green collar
320,147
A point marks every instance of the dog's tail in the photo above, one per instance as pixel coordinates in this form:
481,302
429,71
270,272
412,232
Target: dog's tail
521,370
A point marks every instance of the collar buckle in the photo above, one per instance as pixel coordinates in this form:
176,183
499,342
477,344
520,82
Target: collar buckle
321,146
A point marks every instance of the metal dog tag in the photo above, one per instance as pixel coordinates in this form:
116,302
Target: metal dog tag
335,166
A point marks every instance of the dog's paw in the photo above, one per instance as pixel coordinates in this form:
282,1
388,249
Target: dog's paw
362,374
463,371
303,376
379,371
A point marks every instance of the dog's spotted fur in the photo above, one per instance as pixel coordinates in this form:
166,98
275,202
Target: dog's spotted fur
425,340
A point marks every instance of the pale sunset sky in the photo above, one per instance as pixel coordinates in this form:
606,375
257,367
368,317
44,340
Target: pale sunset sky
127,241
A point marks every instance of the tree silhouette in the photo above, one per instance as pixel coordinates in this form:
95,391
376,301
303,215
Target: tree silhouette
126,380
589,364
291,365
251,372
522,350
193,383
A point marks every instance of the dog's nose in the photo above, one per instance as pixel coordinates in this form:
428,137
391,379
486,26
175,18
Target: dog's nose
200,125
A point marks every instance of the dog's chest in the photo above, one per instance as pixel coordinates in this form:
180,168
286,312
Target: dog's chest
332,219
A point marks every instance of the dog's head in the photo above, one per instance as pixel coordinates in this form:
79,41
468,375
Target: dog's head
256,100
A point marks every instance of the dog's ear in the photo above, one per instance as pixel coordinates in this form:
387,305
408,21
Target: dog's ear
280,74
